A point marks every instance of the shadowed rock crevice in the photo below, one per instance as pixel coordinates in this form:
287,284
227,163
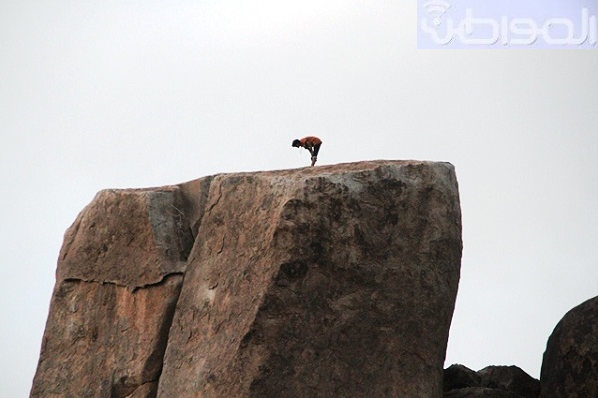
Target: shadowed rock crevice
133,289
146,390
193,200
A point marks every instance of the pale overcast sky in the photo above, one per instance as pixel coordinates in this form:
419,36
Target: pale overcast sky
118,94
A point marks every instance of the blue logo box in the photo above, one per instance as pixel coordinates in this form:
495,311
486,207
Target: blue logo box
506,24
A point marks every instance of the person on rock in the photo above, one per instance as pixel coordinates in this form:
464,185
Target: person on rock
312,144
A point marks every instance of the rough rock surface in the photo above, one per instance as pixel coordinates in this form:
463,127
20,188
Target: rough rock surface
119,276
480,392
510,378
570,364
458,376
504,378
335,281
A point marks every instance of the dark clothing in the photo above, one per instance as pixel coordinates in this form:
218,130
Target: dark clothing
316,149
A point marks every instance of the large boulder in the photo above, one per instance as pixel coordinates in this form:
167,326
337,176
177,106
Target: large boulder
570,364
326,281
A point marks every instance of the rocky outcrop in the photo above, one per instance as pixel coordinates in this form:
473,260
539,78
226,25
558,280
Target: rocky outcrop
461,381
119,276
458,376
570,364
330,281
510,378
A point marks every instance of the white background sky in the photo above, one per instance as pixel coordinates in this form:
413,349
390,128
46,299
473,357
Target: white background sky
118,94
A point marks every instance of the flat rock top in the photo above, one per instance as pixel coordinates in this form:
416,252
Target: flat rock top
342,168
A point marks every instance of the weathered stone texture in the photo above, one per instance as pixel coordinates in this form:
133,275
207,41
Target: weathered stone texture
118,280
459,376
334,281
461,381
510,378
570,364
324,282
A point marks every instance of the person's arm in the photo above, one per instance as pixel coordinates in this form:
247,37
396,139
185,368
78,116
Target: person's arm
309,145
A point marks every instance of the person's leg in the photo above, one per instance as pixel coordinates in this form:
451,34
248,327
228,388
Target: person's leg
316,150
314,154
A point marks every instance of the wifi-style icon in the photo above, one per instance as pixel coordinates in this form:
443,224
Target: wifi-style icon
436,9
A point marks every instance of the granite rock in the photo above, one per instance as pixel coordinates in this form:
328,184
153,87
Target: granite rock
570,363
326,281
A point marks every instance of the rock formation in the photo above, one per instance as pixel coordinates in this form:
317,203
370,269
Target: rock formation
510,378
119,276
492,381
570,364
458,377
331,281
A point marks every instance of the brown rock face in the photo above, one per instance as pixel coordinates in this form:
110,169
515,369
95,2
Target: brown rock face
570,365
334,281
119,276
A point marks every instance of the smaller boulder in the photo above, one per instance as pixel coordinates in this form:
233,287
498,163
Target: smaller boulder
458,376
510,378
570,364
